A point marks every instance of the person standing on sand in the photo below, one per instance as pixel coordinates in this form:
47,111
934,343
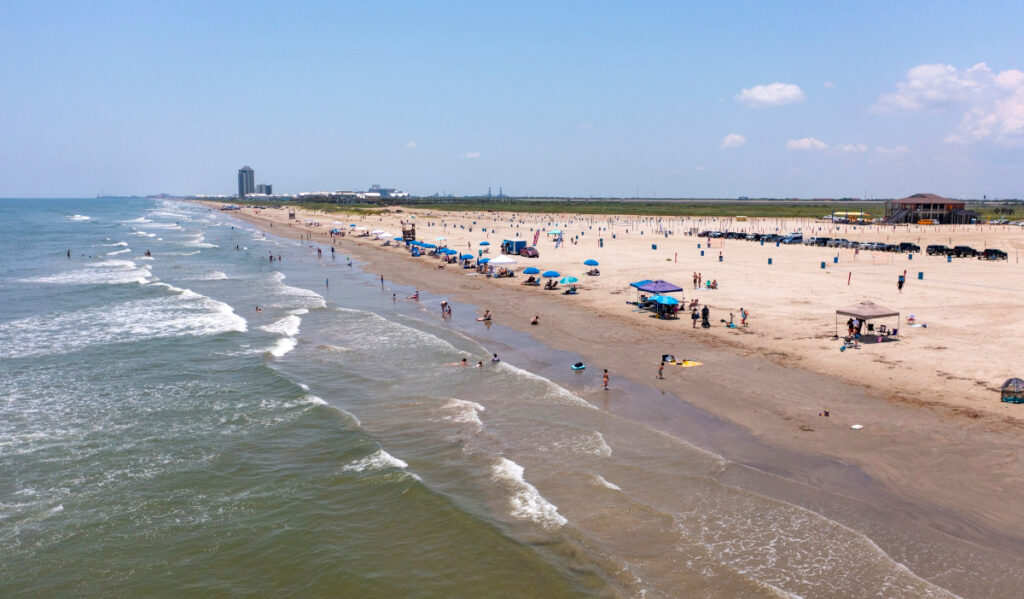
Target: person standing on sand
604,379
700,280
661,369
899,285
695,280
694,316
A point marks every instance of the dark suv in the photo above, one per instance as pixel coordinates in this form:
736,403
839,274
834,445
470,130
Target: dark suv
963,251
906,246
938,250
992,254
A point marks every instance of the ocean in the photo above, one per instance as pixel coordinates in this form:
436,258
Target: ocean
160,435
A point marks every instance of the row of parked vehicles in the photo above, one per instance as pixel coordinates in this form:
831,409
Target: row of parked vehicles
960,251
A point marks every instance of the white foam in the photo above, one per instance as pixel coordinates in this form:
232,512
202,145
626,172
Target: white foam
143,234
168,226
555,389
316,400
378,460
213,275
282,346
114,245
116,252
105,272
289,326
79,217
180,313
304,297
141,219
198,241
604,483
527,503
464,412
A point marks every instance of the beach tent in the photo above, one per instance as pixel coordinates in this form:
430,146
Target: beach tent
866,310
659,286
1013,391
386,235
639,284
666,300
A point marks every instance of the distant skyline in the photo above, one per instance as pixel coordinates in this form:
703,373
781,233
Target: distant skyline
793,99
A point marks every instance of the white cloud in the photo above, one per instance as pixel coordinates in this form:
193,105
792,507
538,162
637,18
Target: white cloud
892,152
828,85
853,148
410,144
733,140
699,168
993,102
470,155
773,94
586,126
806,143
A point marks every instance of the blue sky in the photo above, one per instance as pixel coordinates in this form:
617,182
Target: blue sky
660,99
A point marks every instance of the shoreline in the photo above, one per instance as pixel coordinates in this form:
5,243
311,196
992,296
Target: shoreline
914,452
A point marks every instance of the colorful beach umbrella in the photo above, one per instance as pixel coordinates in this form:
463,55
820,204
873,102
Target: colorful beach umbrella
531,270
551,274
568,280
590,262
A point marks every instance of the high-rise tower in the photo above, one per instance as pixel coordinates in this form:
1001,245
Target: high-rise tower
246,181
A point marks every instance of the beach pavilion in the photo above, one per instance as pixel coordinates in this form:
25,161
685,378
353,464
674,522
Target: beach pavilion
867,310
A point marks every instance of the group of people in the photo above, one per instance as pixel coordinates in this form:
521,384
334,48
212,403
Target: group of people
853,327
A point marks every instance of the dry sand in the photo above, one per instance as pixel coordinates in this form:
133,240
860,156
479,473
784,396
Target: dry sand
934,428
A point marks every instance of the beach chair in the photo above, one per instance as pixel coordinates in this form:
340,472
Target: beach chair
883,329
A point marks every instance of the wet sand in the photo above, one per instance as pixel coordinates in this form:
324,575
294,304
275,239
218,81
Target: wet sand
923,467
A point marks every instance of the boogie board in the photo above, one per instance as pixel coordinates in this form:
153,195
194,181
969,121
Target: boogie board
578,366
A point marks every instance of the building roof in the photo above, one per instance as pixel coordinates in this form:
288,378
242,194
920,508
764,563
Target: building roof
926,198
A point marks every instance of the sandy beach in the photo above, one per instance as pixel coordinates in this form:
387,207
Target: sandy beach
934,429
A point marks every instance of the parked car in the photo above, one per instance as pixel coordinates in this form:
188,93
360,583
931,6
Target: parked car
836,243
964,251
888,247
791,239
704,234
906,246
938,250
992,254
529,252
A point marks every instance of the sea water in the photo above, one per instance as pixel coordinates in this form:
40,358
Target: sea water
161,436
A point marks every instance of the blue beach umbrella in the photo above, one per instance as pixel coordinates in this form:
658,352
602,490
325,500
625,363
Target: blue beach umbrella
568,280
551,274
428,245
590,262
466,257
352,225
484,243
484,260
531,270
665,300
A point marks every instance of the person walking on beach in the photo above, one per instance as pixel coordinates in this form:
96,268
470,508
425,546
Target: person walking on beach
661,369
899,284
700,280
694,316
743,316
604,379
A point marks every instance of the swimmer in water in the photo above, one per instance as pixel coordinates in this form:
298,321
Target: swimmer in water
415,296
